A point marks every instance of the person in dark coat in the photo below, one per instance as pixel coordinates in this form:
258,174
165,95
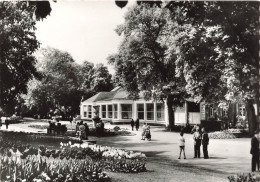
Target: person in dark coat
205,142
255,152
86,130
137,124
6,123
132,124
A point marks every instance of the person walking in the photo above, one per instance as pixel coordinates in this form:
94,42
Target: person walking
6,123
137,124
197,143
182,145
255,152
205,142
144,130
132,124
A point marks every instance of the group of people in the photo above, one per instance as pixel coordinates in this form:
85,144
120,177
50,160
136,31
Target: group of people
82,130
146,133
200,138
6,121
135,124
55,127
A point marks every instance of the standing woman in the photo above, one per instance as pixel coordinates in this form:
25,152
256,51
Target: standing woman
197,143
137,124
132,124
82,131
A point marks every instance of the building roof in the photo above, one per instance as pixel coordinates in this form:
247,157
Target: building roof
99,96
116,94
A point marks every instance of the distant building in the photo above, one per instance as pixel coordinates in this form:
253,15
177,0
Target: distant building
118,106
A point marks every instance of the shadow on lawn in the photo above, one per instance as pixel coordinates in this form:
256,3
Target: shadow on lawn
125,142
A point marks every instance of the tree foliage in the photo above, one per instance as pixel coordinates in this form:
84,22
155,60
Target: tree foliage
204,50
18,43
221,43
219,51
142,62
64,83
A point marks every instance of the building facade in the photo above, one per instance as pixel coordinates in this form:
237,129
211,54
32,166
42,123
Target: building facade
118,106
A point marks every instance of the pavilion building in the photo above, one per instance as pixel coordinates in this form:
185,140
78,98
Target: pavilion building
117,106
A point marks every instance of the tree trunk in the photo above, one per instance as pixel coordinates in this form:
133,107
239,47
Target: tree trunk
251,117
170,112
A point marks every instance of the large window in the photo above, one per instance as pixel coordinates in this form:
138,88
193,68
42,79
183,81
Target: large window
140,111
211,112
224,112
85,114
160,111
104,111
89,111
242,111
115,110
126,110
150,111
110,111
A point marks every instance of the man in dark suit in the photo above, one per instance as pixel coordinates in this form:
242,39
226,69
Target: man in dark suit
205,142
255,152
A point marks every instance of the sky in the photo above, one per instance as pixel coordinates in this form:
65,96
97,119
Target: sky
85,29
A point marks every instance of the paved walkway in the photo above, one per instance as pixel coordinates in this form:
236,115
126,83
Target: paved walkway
227,157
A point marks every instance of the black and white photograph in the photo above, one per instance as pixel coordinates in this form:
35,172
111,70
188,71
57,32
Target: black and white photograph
129,91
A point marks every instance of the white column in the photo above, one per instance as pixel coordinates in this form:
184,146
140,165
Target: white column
186,112
81,110
113,117
145,112
100,111
134,110
166,114
155,111
119,111
106,111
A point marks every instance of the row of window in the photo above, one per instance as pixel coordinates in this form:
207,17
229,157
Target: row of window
126,111
223,112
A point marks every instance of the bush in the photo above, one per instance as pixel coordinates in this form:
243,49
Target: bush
250,177
222,135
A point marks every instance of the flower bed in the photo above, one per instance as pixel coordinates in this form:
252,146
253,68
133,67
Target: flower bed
40,127
92,131
110,132
39,137
36,168
111,158
228,134
250,177
73,162
222,135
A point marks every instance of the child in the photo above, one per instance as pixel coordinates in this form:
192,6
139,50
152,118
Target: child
182,145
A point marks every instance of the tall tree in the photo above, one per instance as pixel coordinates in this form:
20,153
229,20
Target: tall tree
101,79
17,44
59,87
142,63
218,53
